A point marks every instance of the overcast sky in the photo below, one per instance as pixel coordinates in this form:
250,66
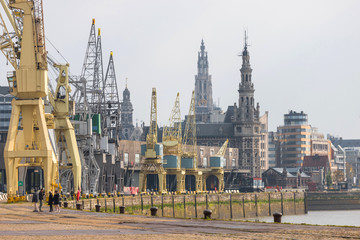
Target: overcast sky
304,54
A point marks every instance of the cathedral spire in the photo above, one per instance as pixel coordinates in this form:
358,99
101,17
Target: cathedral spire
245,54
203,86
203,64
246,87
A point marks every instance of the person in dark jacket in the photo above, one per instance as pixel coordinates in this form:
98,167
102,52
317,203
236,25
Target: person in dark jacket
35,201
41,198
51,201
57,201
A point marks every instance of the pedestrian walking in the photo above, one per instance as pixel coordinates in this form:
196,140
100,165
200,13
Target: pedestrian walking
51,201
35,201
57,201
41,198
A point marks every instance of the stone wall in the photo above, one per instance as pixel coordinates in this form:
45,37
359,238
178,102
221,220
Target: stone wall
333,200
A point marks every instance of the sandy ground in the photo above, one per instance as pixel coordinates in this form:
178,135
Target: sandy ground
18,221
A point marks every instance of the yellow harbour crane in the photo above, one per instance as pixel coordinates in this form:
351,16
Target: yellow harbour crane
151,152
189,145
64,130
172,132
29,144
172,142
216,166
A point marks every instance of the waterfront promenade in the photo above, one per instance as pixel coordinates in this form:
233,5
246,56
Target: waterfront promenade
17,221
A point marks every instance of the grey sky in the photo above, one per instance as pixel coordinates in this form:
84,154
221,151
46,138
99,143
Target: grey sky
304,54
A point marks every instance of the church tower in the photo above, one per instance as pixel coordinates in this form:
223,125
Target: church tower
246,119
203,87
127,126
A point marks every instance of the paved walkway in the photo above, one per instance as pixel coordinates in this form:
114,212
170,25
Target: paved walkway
17,221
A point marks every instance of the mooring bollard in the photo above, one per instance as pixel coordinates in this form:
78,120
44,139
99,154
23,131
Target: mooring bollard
122,209
277,217
97,207
153,211
78,206
207,213
66,204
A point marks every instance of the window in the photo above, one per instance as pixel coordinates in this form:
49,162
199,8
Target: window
233,162
137,158
126,158
201,152
211,152
205,162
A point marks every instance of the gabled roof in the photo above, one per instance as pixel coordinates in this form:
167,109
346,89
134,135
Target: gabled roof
291,172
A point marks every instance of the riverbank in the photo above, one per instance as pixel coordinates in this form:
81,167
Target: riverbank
17,221
223,206
333,201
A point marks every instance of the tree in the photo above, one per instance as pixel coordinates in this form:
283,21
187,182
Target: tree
328,179
339,176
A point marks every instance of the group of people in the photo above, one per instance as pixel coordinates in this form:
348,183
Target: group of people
54,200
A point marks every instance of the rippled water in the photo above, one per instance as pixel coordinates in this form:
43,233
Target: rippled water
343,218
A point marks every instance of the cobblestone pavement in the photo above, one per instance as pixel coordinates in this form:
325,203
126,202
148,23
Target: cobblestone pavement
17,221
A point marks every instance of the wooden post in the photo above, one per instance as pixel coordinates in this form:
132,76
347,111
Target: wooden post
132,204
152,203
305,203
195,207
123,201
231,213
83,205
294,203
218,206
142,203
244,214
173,203
114,204
207,203
282,204
184,207
90,205
256,207
162,205
269,204
105,205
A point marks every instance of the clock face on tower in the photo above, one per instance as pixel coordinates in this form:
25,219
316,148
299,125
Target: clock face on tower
202,102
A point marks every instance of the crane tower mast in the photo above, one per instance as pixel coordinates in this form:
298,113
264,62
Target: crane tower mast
30,144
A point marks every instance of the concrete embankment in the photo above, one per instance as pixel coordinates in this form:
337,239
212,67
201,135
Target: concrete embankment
333,201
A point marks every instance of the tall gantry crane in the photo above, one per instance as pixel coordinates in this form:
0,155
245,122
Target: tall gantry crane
172,139
189,154
217,163
69,158
152,152
86,108
29,144
110,102
172,135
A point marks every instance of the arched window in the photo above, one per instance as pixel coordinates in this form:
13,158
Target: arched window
246,77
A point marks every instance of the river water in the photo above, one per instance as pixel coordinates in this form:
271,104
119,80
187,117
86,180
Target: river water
341,218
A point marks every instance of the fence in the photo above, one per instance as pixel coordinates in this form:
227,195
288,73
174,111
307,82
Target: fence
223,206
